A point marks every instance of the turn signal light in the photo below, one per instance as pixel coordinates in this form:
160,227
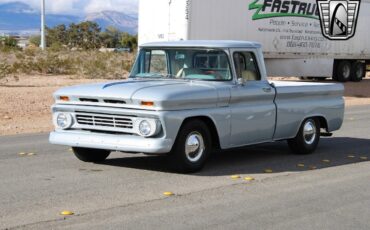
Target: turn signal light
147,103
64,98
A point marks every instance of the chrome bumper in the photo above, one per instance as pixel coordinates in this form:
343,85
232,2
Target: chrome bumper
124,143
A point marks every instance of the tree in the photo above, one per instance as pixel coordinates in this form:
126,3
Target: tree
110,38
128,41
73,35
89,35
57,34
86,35
9,42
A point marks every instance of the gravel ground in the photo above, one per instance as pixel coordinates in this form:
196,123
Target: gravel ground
25,100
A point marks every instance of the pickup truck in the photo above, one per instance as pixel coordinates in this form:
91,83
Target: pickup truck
187,99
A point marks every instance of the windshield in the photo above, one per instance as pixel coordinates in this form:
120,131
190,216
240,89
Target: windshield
196,64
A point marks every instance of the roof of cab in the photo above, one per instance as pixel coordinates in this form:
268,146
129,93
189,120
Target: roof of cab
204,44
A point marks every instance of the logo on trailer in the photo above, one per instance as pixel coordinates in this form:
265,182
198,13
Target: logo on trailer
283,8
338,18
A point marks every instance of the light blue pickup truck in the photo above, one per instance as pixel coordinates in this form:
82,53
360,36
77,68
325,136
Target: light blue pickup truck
187,99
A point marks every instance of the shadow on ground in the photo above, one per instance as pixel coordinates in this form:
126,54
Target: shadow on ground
255,159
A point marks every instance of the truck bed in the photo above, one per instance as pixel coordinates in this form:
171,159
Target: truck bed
295,100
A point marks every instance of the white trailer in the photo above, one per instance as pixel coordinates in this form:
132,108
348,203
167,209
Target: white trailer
289,31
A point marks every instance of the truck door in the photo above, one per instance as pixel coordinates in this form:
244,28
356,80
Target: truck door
252,103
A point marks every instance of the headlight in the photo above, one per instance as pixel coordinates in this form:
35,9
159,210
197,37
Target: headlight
147,127
63,120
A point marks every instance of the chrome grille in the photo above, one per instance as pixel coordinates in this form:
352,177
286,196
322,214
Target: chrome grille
100,121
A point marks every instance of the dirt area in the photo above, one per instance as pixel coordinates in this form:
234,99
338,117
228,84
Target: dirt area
25,101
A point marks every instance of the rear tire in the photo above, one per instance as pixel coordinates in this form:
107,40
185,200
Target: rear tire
358,71
307,139
91,155
192,147
343,71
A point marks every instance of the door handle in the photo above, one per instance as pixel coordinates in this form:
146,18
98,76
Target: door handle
267,89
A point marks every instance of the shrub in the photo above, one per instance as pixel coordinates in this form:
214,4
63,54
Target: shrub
89,64
5,70
30,51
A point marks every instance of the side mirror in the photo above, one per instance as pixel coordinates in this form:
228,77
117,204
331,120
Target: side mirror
241,81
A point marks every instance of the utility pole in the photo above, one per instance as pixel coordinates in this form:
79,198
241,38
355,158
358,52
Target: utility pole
43,40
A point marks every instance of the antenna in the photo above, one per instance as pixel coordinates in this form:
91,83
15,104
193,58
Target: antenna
43,40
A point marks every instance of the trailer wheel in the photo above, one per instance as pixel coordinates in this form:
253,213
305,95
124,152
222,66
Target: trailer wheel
307,139
358,71
91,155
192,147
343,71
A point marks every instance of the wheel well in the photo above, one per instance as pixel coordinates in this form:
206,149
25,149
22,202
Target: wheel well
323,122
212,129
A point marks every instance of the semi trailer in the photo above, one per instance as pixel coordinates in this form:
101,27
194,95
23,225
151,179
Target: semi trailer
289,31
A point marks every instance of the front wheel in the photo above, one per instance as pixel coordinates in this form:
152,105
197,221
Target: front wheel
192,147
91,155
307,139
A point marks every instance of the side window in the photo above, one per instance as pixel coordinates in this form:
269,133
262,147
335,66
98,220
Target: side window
246,66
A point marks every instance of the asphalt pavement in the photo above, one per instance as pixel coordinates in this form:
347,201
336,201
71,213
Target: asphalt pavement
329,189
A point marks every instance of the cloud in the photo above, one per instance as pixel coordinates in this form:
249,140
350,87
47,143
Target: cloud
127,6
78,7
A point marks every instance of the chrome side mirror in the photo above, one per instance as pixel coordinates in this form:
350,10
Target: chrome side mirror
241,81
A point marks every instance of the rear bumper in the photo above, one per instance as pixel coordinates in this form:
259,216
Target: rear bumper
124,143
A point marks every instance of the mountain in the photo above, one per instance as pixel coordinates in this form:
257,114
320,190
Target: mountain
121,21
20,18
16,7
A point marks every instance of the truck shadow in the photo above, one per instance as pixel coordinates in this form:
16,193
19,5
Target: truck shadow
277,157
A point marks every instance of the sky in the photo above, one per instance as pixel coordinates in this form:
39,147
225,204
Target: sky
78,7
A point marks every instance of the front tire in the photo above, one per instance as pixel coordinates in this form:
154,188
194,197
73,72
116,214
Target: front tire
192,147
307,139
91,155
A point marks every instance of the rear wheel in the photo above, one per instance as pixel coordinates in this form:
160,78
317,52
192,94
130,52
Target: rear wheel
91,155
308,137
192,147
358,71
343,71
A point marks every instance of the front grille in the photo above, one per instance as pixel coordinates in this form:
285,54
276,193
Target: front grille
115,101
88,100
109,101
100,121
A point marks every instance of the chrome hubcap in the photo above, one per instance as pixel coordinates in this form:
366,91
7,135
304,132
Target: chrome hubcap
309,132
194,146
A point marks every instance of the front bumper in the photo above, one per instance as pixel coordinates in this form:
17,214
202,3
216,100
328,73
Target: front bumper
124,143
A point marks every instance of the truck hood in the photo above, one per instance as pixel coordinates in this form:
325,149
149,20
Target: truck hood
166,94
